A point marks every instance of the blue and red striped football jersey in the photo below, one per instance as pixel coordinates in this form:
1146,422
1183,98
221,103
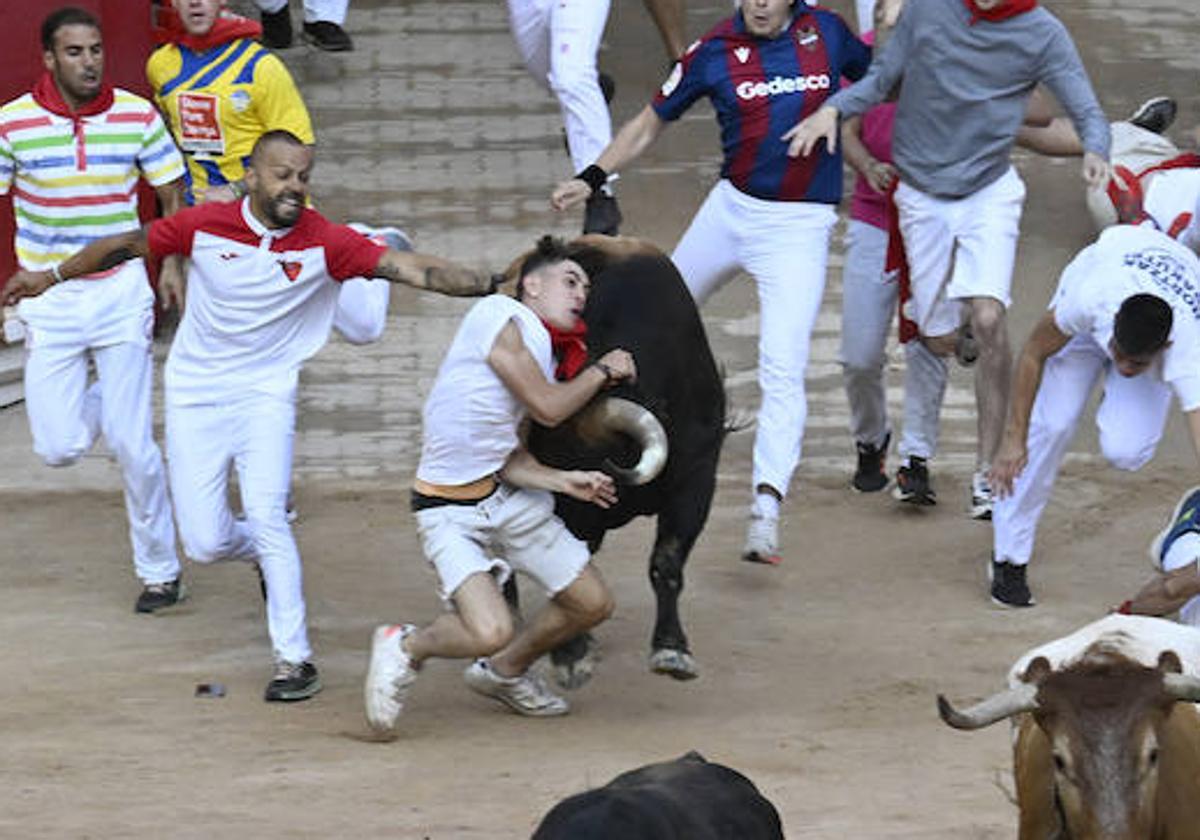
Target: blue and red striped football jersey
762,87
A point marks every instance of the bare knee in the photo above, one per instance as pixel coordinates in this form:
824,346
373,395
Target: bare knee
593,605
491,632
988,322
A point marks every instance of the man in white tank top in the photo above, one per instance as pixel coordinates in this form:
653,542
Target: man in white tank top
484,505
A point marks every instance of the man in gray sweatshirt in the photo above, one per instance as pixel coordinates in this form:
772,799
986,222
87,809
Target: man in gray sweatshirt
968,68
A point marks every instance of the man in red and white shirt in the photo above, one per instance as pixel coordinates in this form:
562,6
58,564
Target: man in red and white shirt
260,302
72,151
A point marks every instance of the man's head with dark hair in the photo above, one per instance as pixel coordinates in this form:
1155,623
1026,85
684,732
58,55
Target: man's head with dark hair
1141,330
66,16
73,52
277,178
549,250
552,284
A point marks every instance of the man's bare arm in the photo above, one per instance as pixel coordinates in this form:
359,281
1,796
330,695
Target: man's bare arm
550,403
1045,340
424,271
100,255
523,470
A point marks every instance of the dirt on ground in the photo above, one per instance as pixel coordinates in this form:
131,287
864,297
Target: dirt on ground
818,677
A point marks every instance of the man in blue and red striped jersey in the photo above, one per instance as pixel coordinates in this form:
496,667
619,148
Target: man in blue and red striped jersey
773,62
261,297
71,152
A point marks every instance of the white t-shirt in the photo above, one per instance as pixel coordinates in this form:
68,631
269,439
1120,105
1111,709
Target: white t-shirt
1173,201
1126,261
259,301
471,418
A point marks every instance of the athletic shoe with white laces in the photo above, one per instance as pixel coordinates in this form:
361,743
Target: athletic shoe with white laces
1155,114
292,681
762,541
389,676
1185,519
912,483
525,695
389,237
982,498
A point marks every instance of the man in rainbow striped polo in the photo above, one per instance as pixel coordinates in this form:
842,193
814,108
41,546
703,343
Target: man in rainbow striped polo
71,153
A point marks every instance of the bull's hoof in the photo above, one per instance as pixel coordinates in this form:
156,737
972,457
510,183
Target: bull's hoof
573,675
674,663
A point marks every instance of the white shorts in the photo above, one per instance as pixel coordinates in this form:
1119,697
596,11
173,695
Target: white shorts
512,529
959,248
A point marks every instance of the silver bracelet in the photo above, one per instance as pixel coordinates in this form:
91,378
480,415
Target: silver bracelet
56,273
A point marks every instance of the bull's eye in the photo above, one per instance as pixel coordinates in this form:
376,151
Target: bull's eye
1059,764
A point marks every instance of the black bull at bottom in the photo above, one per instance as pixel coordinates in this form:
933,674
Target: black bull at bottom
641,304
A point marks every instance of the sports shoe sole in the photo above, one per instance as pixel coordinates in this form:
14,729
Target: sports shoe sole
909,498
981,512
1157,543
179,599
484,689
762,559
295,695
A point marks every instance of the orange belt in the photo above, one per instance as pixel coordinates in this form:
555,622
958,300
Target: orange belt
473,491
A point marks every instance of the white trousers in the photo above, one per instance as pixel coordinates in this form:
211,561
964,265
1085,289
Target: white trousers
784,246
868,312
109,320
255,434
361,312
558,40
1130,419
314,10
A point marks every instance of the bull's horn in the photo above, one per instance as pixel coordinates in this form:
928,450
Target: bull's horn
641,425
1004,704
1182,687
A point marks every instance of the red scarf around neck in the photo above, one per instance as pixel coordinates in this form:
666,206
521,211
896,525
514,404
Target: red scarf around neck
47,94
227,27
570,348
1007,9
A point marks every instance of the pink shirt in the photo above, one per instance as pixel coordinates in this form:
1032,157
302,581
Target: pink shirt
866,205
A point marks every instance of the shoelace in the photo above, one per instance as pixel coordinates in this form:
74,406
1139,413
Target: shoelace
287,670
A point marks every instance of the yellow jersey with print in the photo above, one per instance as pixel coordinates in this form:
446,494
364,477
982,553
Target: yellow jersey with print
219,102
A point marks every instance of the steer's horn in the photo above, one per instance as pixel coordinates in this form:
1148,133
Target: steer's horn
640,424
1182,687
1004,704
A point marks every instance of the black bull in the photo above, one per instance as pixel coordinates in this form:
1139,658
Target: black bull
684,799
642,305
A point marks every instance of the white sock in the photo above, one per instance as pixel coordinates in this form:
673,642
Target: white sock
765,506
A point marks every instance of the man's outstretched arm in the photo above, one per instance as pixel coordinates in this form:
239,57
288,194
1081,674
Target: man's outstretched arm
434,274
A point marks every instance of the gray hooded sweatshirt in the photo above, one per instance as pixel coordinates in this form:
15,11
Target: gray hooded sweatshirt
965,87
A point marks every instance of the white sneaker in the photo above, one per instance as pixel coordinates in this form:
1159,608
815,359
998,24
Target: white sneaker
981,495
762,541
525,695
389,676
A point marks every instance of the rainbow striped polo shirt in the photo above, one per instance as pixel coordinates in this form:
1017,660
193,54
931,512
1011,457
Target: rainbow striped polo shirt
70,187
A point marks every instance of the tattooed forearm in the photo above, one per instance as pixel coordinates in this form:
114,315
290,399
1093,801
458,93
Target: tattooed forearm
433,274
115,257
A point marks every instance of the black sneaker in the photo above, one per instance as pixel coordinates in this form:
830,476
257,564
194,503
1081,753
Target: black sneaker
871,477
277,29
602,215
1009,588
1155,114
157,596
292,681
327,35
912,483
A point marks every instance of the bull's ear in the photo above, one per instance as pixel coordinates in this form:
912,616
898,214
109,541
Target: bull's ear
1168,662
1036,671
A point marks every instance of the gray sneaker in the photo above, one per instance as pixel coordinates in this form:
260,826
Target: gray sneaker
525,695
158,596
389,676
292,681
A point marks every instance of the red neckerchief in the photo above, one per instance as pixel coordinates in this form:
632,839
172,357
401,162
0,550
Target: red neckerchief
1010,8
227,27
897,264
570,348
47,94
